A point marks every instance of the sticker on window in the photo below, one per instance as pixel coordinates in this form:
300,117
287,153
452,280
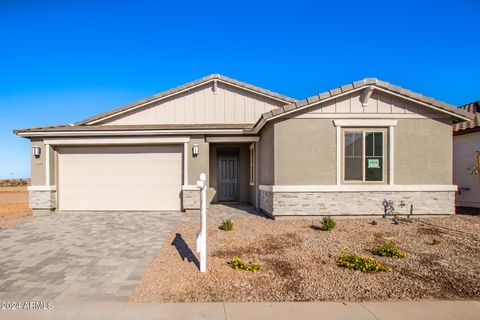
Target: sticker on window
373,163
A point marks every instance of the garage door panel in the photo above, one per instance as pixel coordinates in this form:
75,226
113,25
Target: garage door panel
120,178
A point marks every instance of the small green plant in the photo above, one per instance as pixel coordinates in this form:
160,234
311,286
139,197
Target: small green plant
237,263
388,250
227,225
365,264
328,223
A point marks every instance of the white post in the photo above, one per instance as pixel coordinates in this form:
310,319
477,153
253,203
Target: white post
202,234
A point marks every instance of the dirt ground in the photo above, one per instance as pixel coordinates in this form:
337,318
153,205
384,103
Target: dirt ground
298,262
14,207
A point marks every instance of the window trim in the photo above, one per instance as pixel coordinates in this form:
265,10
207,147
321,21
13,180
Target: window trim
252,164
385,123
363,131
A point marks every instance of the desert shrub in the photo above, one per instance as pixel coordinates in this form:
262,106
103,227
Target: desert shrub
388,250
14,182
365,264
328,223
237,263
226,225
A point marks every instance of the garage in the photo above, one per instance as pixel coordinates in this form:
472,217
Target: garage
126,178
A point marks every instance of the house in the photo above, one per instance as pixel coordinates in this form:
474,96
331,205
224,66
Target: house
466,155
341,152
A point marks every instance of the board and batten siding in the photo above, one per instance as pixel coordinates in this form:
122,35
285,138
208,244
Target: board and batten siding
379,103
201,105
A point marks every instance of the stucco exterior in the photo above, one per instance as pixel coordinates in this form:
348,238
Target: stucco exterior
465,147
298,145
423,151
305,152
266,156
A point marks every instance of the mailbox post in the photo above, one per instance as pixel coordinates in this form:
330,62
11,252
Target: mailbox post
202,234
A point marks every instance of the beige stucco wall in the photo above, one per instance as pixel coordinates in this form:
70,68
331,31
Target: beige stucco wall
38,166
423,151
266,156
244,167
198,164
464,148
305,152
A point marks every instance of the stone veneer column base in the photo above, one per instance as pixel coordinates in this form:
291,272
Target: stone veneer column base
356,203
191,199
42,201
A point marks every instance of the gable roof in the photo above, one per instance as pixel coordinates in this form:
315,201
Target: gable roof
182,88
473,109
372,83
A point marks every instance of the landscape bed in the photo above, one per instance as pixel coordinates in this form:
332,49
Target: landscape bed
298,262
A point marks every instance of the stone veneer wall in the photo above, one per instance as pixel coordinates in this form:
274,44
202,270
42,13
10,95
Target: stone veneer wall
266,201
355,203
43,199
191,199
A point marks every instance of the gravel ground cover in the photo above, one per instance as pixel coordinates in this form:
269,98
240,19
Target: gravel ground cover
297,261
14,207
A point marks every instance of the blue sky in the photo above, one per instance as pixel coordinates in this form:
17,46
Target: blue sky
63,61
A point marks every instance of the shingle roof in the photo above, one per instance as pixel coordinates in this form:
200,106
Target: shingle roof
474,110
359,84
204,80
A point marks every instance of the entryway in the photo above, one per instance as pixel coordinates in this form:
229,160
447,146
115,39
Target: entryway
228,161
229,172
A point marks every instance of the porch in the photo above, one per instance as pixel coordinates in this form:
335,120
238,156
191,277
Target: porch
230,166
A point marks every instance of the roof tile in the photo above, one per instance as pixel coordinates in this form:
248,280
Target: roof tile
324,95
335,91
360,83
346,87
313,99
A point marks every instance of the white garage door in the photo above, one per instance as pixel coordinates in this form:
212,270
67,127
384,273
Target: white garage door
120,178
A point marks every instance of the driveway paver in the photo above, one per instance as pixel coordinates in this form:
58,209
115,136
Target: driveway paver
81,256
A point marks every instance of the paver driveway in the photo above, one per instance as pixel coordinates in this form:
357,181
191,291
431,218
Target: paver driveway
74,256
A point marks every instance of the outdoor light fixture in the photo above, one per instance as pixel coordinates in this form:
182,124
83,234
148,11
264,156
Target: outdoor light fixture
195,150
36,151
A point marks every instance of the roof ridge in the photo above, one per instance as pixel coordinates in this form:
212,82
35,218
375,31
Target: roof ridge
186,86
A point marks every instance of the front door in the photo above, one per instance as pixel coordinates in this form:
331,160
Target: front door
228,176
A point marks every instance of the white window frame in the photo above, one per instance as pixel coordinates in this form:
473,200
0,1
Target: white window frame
363,131
252,164
367,123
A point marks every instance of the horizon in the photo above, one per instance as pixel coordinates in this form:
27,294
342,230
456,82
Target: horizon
65,62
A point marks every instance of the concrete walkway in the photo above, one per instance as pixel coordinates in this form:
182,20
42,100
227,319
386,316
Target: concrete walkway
421,310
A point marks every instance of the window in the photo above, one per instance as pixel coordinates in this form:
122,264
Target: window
252,164
364,151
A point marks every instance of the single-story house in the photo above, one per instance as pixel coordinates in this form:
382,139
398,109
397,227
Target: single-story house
466,156
341,152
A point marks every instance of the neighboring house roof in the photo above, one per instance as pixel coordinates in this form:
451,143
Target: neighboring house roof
373,83
469,126
190,85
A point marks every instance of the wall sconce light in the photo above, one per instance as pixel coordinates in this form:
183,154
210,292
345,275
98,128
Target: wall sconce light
36,151
195,150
